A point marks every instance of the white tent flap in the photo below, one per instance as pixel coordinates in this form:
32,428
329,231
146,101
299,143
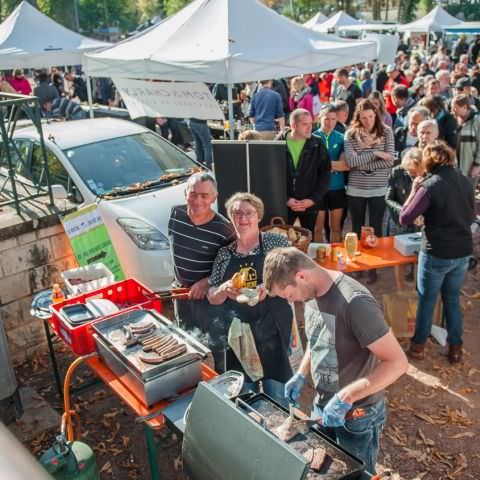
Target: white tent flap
340,19
28,38
435,21
226,41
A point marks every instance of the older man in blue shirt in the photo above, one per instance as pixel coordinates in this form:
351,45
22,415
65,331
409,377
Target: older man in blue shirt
266,107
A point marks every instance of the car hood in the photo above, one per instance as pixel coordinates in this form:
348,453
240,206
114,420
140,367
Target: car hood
152,206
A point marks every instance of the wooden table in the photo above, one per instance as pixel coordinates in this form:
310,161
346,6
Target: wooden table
139,409
382,256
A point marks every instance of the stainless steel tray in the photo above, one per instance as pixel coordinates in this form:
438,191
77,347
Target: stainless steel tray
113,337
149,383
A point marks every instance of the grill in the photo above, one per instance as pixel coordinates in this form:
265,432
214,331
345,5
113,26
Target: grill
150,382
234,440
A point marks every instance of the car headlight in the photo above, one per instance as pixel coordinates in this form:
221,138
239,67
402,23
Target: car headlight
144,236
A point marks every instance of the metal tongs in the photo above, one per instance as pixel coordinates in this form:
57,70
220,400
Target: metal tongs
292,426
172,294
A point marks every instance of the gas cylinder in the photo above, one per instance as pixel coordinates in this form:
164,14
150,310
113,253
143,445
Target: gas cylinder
70,460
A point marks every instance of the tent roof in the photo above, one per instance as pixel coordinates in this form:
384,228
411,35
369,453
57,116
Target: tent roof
340,19
465,27
435,21
315,20
28,38
368,26
226,41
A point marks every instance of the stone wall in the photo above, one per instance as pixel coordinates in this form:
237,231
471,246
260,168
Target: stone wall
32,256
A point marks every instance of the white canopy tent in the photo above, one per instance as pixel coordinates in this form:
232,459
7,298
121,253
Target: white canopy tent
317,19
369,27
340,19
435,21
225,41
464,27
28,38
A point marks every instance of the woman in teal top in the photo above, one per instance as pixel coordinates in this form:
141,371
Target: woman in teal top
335,200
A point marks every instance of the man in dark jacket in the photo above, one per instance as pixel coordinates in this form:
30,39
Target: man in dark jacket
308,169
45,90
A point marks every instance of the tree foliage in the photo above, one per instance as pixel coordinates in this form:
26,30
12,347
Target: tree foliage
173,6
468,10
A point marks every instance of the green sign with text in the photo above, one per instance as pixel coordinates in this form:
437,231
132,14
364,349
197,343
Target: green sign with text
90,241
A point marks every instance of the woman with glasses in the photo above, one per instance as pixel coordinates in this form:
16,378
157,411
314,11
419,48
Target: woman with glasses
270,320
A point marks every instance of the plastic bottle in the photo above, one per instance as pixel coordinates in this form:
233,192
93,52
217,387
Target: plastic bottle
57,294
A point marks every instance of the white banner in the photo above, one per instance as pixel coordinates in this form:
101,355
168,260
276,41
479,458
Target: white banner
168,99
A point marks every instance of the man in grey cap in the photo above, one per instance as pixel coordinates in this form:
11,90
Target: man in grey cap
464,87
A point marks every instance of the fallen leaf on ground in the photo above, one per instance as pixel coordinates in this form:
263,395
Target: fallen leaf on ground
107,467
426,418
461,464
425,440
125,441
463,434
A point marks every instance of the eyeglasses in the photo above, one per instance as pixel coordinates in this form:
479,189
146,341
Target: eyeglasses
249,215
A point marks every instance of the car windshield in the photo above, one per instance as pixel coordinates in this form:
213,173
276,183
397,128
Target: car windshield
128,163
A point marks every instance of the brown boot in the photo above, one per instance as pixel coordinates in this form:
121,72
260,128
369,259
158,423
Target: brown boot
455,354
416,351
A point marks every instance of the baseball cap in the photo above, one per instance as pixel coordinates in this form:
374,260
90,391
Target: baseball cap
463,82
391,68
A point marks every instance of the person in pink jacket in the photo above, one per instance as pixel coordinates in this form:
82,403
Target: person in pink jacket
300,95
20,83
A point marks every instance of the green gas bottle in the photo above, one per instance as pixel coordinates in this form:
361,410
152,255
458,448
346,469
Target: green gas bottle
70,460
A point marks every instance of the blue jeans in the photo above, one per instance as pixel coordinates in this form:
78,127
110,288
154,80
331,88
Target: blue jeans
203,142
360,436
444,276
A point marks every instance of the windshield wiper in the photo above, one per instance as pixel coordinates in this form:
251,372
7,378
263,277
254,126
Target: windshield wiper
164,180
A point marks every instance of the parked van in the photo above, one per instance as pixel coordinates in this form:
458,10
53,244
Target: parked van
132,174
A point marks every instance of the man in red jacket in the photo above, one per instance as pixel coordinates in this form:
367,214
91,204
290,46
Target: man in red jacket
395,77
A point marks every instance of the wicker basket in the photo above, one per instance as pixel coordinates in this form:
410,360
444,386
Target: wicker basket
305,235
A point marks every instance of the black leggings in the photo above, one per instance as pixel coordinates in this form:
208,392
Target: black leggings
307,219
358,208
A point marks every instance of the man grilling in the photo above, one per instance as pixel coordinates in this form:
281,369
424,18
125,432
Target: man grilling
352,355
196,234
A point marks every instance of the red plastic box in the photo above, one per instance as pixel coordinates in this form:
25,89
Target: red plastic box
127,295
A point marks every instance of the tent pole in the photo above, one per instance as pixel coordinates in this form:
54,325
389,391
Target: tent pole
89,95
427,46
230,111
374,75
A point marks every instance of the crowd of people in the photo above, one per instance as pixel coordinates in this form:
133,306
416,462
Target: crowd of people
60,93
400,154
401,158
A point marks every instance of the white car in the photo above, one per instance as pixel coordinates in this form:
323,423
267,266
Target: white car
107,161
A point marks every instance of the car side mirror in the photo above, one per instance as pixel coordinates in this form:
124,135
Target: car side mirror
59,192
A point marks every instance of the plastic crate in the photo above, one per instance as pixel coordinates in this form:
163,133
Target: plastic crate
127,295
93,277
